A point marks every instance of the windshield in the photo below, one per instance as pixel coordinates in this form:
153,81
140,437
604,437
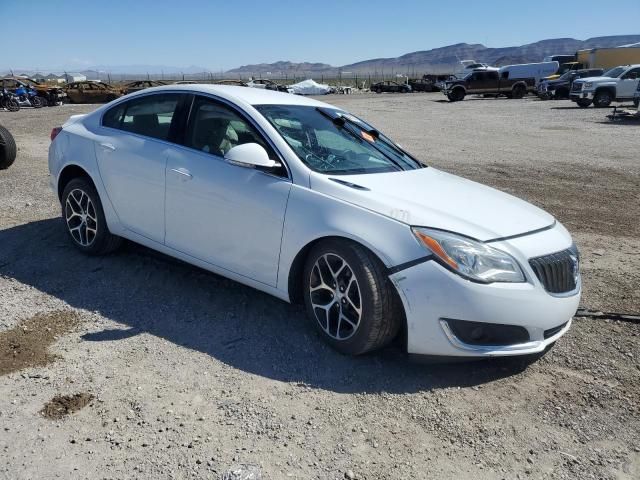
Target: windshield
614,72
331,141
566,75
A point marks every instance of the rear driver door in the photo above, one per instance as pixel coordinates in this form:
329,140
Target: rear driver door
132,146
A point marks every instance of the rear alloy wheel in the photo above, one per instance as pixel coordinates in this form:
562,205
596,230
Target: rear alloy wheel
583,102
349,298
603,98
84,219
36,102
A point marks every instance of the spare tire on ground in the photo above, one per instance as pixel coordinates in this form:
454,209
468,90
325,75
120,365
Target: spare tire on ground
7,148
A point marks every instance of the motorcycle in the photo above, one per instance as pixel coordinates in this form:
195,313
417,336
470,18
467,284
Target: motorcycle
28,97
9,101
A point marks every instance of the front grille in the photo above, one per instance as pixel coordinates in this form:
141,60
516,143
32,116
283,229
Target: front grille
552,331
576,86
557,272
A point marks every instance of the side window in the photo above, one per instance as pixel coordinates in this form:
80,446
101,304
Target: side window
632,74
505,75
113,117
215,128
492,75
150,116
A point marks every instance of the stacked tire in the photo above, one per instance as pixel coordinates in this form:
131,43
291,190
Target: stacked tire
7,148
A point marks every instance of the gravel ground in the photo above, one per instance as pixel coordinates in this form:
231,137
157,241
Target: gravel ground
187,374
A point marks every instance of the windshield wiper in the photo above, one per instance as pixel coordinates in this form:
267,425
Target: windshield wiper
345,123
342,120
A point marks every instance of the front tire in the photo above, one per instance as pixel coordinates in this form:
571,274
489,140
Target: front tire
84,219
349,298
602,99
583,102
456,95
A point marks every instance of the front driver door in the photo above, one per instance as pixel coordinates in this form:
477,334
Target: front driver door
628,83
224,214
132,146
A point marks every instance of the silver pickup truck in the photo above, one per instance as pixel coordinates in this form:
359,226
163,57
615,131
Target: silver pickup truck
618,84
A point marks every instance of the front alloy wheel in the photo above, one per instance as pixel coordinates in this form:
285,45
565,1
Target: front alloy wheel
349,297
335,296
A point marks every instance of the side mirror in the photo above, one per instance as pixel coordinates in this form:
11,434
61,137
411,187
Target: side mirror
250,155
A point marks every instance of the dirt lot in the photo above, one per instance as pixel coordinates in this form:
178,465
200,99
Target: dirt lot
168,371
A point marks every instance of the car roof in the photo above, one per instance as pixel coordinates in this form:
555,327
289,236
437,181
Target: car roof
238,94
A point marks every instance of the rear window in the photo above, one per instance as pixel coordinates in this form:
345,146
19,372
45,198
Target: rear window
150,115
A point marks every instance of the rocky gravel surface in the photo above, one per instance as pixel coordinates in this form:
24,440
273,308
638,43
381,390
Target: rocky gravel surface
184,374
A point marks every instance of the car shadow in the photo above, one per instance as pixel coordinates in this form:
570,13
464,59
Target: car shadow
148,292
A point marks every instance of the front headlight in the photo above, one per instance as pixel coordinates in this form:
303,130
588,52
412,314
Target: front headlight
469,258
587,85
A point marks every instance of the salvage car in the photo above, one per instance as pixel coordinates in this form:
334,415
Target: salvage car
8,148
559,88
49,95
486,82
140,85
89,91
268,84
304,201
391,87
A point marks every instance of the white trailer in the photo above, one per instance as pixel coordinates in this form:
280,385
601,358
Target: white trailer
529,70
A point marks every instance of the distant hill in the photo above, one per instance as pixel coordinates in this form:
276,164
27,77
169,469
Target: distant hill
444,59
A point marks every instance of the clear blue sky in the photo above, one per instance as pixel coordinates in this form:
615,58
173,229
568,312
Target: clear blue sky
76,34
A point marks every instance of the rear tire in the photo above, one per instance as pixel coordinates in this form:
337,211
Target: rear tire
84,219
8,149
36,102
583,102
349,297
602,99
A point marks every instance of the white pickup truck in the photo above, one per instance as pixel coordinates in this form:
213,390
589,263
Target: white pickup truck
618,84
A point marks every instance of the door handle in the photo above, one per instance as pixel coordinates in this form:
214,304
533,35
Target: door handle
184,172
108,146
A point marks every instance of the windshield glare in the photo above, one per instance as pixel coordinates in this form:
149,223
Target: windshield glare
614,72
328,147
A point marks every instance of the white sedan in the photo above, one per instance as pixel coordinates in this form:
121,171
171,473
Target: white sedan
309,203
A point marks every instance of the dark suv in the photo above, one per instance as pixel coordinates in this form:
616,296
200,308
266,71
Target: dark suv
390,86
560,87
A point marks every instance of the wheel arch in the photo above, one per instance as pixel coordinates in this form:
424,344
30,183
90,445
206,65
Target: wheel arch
294,281
68,173
609,88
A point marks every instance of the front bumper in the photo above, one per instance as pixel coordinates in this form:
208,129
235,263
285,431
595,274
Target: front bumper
432,294
575,96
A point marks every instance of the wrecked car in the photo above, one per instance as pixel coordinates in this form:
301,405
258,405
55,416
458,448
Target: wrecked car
140,85
90,91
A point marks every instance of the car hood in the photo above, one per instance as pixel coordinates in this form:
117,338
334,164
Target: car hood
431,198
594,79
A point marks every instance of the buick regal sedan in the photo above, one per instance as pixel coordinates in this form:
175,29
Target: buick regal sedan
309,203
